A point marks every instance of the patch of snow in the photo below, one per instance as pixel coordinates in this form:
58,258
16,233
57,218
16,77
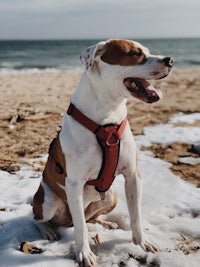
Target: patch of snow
167,134
170,209
185,118
189,160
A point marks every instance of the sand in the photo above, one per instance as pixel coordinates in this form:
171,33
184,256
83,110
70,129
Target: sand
32,106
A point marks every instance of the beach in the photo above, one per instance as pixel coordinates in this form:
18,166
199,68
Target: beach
32,106
42,48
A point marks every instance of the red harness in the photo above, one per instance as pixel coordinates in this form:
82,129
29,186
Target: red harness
108,137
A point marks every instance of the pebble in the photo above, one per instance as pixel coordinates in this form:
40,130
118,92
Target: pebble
196,148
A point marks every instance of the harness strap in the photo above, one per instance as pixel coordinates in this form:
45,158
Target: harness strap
108,137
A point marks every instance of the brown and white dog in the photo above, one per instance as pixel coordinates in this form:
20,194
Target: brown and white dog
115,70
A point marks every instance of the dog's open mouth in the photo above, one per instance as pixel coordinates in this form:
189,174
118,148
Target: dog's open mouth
142,89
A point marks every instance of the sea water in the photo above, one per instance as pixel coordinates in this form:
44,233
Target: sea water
61,55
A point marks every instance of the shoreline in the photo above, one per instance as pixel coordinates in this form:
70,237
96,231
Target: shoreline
33,71
70,69
32,106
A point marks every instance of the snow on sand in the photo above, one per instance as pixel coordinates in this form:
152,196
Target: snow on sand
171,215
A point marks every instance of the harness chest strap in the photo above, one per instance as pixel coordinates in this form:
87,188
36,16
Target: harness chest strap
108,137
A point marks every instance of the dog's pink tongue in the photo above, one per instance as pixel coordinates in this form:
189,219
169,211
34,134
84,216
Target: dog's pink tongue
150,89
154,91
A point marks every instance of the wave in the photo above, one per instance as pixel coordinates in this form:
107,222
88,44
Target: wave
185,63
8,64
10,71
15,66
35,70
193,62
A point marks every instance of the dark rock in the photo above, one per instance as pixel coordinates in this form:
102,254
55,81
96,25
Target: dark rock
196,148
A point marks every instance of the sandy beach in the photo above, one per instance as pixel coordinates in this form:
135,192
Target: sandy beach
32,106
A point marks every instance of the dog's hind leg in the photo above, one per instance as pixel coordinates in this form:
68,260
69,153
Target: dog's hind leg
95,209
45,205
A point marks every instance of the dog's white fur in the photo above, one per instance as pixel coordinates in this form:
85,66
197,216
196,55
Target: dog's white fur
101,95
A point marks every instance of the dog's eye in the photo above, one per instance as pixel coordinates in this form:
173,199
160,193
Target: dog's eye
136,54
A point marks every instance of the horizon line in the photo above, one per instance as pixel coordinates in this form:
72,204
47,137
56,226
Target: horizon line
92,38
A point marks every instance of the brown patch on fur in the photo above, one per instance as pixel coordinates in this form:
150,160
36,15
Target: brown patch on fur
123,53
55,170
38,200
113,205
54,175
95,209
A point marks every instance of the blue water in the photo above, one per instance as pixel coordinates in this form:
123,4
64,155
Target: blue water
64,54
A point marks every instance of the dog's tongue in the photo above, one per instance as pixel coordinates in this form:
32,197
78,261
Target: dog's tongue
147,86
142,89
152,93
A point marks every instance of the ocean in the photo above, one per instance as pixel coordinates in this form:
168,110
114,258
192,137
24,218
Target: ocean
63,55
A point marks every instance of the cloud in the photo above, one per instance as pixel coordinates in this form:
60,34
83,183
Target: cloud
76,6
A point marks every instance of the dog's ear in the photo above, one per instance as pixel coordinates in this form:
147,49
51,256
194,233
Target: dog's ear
89,54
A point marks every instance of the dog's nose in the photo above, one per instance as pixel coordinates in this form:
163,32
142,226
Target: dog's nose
168,61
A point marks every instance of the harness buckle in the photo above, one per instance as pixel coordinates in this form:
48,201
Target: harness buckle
70,109
114,144
102,196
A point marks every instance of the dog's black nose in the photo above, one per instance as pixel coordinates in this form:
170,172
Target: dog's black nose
168,61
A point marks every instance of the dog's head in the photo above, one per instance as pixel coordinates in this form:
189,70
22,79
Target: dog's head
127,66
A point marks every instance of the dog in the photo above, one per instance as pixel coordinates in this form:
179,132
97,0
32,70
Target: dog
76,185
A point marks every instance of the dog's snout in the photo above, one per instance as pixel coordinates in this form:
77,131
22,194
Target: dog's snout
168,61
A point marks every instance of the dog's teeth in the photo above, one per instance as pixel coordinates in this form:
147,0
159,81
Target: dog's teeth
133,84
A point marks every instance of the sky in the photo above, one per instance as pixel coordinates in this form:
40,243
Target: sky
77,19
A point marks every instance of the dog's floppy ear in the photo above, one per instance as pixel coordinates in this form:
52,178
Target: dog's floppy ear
89,54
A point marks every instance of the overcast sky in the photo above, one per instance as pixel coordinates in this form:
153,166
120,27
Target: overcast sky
65,19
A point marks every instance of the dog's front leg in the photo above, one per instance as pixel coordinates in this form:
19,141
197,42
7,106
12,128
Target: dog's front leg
74,191
133,188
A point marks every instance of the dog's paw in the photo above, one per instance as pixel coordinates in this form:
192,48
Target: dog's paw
105,224
85,257
109,225
145,245
47,231
51,235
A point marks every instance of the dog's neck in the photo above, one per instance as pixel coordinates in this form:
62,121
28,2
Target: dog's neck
107,106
